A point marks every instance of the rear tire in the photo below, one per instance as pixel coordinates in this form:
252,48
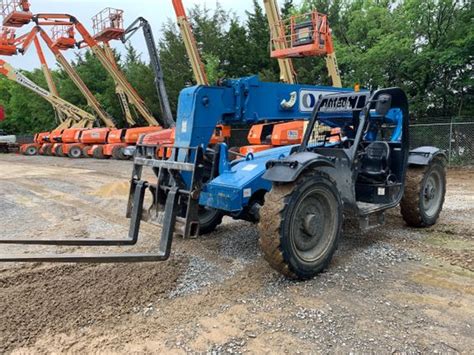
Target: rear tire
98,153
300,225
47,150
209,220
75,152
58,151
117,154
425,190
85,151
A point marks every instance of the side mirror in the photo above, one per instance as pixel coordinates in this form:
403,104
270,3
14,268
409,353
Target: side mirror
383,105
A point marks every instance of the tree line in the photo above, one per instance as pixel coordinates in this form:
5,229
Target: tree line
424,46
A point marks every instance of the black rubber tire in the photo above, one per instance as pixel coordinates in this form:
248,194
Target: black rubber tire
31,151
98,153
415,205
117,153
85,151
58,151
209,220
75,152
47,150
280,222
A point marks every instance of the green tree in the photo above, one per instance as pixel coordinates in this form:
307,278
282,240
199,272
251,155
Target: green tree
26,112
236,59
259,44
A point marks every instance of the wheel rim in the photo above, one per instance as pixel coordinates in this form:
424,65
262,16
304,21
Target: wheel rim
314,224
432,193
76,153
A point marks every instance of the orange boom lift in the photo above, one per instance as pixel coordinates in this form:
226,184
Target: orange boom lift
108,26
68,143
72,119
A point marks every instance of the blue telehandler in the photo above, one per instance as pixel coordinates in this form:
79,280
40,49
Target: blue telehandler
299,194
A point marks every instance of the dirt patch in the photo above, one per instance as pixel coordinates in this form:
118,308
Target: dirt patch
59,299
116,189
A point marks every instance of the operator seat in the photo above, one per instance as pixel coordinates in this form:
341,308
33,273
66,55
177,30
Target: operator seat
375,162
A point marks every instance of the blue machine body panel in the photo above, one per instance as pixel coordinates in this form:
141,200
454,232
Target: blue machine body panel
241,101
233,188
393,117
257,101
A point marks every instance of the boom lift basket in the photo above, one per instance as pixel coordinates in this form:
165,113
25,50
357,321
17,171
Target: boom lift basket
300,36
108,25
63,37
7,41
16,13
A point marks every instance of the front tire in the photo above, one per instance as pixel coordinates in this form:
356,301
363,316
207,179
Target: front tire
300,225
31,151
209,220
425,190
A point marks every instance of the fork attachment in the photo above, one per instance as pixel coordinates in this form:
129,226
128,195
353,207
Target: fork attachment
175,208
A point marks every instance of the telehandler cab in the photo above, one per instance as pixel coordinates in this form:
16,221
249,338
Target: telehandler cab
298,194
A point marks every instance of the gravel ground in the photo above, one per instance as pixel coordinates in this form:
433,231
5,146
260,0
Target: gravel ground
388,290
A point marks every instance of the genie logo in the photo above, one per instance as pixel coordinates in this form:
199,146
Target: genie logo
309,98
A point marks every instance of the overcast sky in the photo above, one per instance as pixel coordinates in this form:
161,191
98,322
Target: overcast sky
155,11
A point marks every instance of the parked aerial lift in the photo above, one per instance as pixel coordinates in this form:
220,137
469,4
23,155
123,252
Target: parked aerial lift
294,37
108,26
76,118
63,38
43,142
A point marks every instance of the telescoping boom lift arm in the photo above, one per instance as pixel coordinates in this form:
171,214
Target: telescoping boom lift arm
122,96
155,64
81,118
91,100
287,72
116,74
21,44
190,43
61,116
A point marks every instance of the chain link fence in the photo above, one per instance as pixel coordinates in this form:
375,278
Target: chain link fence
453,134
